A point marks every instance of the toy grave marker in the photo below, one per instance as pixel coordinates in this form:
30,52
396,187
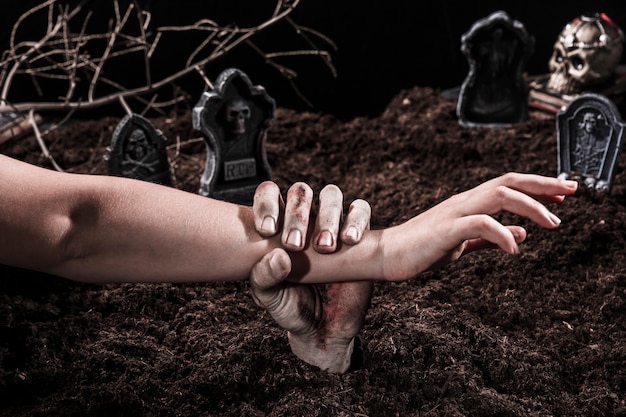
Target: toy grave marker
590,136
233,119
138,151
494,92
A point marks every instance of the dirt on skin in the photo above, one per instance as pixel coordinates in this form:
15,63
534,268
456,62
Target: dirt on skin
542,333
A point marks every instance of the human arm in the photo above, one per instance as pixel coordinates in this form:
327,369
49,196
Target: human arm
463,224
100,228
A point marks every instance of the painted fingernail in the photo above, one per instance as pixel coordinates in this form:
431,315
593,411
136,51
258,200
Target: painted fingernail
294,238
268,225
352,233
325,239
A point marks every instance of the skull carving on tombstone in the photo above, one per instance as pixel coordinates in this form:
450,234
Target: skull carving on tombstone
237,113
585,54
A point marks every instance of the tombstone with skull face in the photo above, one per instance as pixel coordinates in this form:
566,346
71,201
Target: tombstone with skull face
585,55
233,119
138,151
237,115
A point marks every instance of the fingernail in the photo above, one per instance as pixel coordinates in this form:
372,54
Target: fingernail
294,238
571,183
268,225
352,233
325,239
555,220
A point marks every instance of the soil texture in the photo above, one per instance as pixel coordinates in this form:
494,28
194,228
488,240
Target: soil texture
542,333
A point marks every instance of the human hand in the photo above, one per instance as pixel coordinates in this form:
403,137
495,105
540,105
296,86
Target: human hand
463,223
322,320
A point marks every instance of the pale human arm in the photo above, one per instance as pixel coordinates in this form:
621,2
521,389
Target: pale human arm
98,229
108,229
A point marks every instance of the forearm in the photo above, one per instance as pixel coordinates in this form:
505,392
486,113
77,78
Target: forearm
149,233
197,239
105,229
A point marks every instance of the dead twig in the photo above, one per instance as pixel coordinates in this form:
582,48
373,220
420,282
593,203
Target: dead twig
66,57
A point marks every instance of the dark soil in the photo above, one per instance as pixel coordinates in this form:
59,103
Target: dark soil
538,334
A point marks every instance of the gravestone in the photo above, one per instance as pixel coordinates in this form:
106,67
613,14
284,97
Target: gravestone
138,151
234,118
494,92
590,136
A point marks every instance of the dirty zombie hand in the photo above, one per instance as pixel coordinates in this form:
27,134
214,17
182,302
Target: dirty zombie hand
322,320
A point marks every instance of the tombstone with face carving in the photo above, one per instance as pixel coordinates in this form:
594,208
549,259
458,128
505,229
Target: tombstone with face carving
138,151
233,119
590,136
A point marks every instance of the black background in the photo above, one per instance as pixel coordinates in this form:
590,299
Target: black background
383,46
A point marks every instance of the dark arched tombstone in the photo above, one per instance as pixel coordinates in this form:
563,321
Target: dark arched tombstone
590,134
233,119
494,92
138,151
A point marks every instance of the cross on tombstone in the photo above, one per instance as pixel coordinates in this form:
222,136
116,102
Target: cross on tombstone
494,92
590,135
138,151
234,118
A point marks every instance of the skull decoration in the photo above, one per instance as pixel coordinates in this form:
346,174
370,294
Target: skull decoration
585,54
237,113
137,145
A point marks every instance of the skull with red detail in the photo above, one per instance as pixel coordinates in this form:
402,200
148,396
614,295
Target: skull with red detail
585,55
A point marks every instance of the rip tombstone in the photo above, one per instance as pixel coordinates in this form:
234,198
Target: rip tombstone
233,119
494,92
138,151
590,136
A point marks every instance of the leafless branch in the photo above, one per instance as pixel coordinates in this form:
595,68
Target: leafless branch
65,56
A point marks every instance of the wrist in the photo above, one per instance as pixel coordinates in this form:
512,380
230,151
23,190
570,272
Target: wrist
333,355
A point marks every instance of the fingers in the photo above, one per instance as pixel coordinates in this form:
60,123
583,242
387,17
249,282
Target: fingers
267,206
472,245
513,193
267,274
546,189
297,212
328,219
356,222
483,231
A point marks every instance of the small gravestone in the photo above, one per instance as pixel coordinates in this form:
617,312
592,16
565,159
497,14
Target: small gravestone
494,92
233,119
590,137
138,151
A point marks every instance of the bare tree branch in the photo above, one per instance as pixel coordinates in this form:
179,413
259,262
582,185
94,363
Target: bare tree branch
64,56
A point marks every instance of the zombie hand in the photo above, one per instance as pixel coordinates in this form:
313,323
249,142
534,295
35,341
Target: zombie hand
322,321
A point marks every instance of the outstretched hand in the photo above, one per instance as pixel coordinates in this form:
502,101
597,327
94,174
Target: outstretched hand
463,223
322,320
